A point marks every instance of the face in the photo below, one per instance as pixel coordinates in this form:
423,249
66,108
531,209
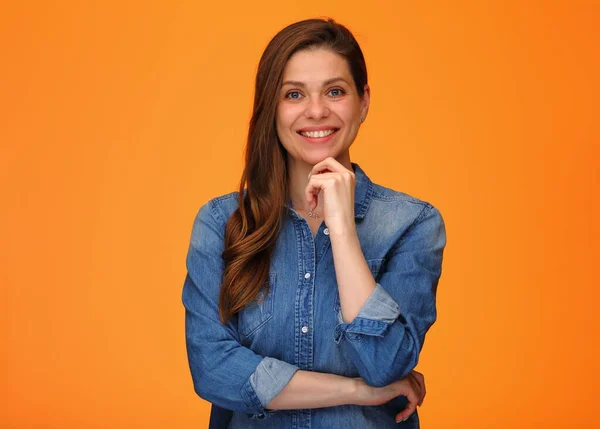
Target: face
319,110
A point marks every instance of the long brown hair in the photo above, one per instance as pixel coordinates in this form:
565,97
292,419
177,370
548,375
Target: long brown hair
252,230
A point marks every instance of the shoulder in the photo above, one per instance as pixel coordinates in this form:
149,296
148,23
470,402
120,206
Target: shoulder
387,200
399,217
213,215
223,206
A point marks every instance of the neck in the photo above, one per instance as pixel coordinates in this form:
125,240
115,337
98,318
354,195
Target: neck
298,171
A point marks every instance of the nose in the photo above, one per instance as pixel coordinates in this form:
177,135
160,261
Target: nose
316,108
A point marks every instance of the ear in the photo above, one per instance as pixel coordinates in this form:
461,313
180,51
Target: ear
365,102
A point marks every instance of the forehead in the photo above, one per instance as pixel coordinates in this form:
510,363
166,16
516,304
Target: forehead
315,65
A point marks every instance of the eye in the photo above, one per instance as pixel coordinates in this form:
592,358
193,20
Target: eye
336,92
293,95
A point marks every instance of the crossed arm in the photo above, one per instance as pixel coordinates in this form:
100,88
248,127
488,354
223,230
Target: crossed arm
234,377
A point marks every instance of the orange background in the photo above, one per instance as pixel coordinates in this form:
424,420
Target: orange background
119,120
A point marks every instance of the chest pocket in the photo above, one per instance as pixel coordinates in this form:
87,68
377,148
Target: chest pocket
374,267
258,312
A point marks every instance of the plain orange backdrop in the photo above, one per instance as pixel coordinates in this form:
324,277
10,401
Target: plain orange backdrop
118,120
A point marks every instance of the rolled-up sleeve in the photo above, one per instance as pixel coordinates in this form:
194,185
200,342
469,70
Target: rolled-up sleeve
378,312
223,371
385,338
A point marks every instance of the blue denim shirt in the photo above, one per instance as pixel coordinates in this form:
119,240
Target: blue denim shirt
241,366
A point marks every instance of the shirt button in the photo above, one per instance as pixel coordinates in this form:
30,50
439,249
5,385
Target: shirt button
304,329
326,231
307,276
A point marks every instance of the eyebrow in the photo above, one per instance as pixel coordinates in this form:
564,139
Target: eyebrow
325,83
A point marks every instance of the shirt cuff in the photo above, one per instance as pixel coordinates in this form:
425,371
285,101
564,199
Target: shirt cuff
378,312
269,378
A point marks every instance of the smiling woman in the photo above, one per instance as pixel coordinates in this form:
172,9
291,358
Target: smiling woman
310,290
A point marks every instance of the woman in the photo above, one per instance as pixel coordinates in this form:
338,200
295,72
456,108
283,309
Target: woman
309,291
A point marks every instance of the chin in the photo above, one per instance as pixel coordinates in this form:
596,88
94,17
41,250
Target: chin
315,158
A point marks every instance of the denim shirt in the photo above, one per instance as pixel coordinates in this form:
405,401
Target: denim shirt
241,366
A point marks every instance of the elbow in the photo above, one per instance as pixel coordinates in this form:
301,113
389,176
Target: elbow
201,389
386,374
221,399
225,394
203,385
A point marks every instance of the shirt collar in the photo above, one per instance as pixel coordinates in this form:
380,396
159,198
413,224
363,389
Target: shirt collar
363,192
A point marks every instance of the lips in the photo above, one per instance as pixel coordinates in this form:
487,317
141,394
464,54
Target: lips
318,136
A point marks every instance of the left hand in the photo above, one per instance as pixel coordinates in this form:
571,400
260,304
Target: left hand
338,185
412,386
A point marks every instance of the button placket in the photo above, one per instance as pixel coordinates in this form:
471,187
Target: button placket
304,328
304,306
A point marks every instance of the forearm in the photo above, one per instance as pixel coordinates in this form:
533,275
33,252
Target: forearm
307,389
354,279
385,337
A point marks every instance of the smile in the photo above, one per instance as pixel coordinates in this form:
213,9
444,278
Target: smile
317,134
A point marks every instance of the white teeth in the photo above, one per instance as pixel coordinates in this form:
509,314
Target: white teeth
316,134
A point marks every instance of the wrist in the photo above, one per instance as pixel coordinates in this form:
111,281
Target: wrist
353,391
346,233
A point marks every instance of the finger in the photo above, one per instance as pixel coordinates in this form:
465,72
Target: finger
421,395
329,164
412,397
414,382
323,170
314,187
411,407
311,194
418,388
417,374
423,390
419,377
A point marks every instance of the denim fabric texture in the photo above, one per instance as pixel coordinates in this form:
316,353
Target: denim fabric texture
297,324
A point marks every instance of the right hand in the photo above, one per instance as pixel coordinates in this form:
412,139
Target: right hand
412,386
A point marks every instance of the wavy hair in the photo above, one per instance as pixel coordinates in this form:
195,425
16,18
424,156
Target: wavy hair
251,232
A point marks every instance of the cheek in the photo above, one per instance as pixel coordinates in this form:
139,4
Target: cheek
285,114
283,123
351,117
350,112
283,127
